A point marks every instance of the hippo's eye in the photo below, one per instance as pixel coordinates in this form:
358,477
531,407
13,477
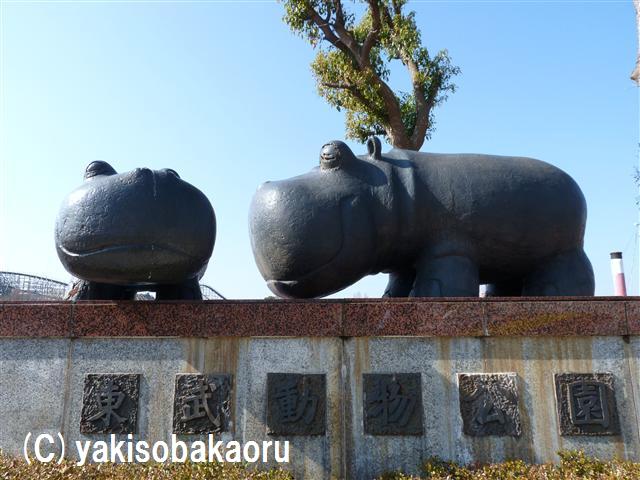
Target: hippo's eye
172,171
98,168
330,156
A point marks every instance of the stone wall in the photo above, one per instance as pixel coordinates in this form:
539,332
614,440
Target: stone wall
390,391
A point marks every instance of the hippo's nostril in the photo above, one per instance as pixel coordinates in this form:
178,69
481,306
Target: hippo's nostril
329,151
98,167
143,173
335,154
171,171
330,156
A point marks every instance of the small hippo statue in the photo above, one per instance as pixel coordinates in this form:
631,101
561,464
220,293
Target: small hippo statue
143,230
439,224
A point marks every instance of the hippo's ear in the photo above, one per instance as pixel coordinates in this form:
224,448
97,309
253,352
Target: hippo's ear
97,168
374,147
334,154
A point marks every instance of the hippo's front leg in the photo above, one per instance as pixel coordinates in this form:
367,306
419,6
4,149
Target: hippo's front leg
400,283
446,276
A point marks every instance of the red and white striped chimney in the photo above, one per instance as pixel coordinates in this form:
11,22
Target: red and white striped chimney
617,273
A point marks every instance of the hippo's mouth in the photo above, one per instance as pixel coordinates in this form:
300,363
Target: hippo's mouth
302,286
341,269
281,285
288,287
124,249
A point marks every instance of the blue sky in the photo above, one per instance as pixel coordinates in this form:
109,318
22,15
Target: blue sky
222,92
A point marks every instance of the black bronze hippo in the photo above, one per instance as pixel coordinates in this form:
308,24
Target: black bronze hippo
140,230
439,224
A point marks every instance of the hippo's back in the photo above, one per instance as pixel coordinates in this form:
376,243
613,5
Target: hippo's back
518,205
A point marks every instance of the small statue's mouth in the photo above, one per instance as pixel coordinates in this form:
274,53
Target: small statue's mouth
131,264
127,248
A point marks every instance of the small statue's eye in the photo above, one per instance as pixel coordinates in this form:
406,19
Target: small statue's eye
330,156
172,171
98,168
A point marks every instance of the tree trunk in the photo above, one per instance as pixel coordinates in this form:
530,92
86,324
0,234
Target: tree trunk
635,75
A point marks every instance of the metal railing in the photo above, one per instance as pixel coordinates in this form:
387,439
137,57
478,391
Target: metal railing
23,287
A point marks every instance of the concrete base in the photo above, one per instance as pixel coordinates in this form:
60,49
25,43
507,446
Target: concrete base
41,387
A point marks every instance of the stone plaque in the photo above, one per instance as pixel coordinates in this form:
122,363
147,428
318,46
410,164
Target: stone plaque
202,403
110,403
586,404
489,404
296,404
392,404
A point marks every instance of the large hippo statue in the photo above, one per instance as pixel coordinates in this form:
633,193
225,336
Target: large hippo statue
439,224
140,230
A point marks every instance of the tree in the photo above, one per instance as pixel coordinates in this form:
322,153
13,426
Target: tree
352,67
635,75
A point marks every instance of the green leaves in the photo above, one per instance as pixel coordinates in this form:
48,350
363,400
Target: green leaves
345,86
352,67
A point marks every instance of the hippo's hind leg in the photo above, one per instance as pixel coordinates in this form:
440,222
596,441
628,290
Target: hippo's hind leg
85,290
446,276
187,290
509,288
400,283
566,274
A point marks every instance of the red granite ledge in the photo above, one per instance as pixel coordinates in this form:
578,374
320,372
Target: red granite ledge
310,319
35,319
413,318
633,317
340,300
200,319
441,317
575,317
138,319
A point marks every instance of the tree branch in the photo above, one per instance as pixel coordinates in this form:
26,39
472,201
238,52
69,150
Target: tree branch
337,4
401,140
424,101
339,36
397,8
422,122
343,34
373,34
423,107
329,35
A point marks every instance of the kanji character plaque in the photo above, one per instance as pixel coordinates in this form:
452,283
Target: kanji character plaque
586,404
202,404
110,403
392,404
296,404
489,404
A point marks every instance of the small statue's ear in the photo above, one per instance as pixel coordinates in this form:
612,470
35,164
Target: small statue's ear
97,168
374,147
